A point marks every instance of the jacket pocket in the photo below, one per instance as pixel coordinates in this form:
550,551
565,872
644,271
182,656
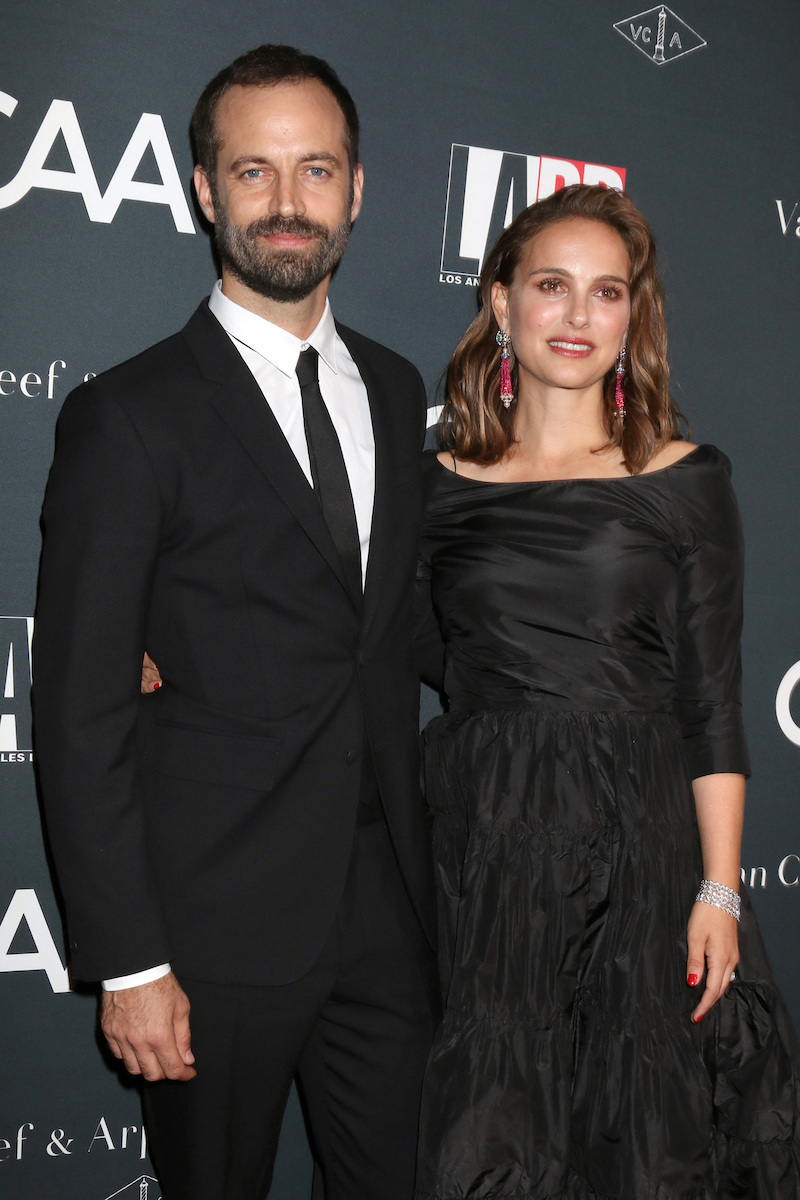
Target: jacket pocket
220,759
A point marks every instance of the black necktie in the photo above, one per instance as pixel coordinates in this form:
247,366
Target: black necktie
329,472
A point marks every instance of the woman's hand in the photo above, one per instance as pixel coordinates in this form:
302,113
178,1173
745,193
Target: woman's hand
151,677
713,936
713,939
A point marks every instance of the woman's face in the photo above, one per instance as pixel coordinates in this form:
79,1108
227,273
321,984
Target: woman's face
568,307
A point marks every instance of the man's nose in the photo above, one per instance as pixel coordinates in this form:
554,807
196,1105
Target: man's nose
287,196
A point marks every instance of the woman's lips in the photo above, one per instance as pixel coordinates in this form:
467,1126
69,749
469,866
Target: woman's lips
571,349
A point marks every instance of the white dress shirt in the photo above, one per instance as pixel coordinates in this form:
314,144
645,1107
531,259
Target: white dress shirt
271,353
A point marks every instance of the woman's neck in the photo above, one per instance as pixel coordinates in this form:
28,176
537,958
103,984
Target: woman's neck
556,426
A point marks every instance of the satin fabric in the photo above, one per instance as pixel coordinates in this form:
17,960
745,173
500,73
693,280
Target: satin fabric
592,670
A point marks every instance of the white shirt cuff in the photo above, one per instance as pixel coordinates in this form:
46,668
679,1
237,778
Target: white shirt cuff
128,981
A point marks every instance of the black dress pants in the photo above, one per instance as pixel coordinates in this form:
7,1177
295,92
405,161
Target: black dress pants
355,1031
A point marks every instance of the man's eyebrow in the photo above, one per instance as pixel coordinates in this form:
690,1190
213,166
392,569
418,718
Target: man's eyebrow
257,160
323,156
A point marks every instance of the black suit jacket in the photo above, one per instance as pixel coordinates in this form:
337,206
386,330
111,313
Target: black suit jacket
211,825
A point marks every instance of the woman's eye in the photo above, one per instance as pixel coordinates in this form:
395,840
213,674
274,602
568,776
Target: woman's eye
550,285
609,293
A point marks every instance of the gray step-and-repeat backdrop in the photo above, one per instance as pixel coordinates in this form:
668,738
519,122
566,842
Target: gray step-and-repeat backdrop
470,112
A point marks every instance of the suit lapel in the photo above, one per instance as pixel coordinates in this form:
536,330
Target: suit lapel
241,405
380,537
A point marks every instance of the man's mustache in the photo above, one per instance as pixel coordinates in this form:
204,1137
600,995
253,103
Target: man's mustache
289,226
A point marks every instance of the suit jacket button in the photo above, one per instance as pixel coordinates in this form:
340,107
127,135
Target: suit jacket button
351,757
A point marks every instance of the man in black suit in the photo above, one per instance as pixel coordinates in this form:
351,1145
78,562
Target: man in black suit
243,500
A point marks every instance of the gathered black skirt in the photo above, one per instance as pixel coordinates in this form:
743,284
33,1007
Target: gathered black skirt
567,1066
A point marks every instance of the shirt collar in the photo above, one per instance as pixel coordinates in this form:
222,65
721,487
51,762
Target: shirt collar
276,345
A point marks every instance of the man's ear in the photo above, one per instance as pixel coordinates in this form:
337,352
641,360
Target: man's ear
358,191
203,189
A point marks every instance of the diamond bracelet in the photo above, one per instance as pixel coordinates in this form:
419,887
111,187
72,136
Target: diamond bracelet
719,896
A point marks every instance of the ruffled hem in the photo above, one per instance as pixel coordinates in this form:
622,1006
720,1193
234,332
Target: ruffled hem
579,1189
740,1169
576,1190
514,1106
747,1170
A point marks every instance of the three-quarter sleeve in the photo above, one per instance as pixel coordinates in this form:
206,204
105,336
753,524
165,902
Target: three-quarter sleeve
709,618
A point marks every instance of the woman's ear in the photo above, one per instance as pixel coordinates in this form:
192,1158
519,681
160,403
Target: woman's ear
500,304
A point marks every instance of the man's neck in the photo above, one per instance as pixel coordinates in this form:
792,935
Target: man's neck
300,318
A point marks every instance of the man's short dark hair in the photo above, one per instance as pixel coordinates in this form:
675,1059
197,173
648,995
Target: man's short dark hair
266,66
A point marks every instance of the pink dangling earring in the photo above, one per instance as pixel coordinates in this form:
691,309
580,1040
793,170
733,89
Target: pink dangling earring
619,395
506,387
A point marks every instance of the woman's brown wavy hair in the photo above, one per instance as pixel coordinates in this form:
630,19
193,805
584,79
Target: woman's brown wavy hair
475,425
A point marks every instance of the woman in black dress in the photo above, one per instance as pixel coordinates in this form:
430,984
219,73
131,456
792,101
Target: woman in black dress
606,1035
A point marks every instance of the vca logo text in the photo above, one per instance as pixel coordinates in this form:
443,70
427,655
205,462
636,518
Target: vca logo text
660,34
486,189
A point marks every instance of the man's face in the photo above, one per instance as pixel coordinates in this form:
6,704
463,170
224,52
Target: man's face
284,199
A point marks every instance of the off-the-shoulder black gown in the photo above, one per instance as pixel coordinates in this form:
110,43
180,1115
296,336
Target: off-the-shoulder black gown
592,671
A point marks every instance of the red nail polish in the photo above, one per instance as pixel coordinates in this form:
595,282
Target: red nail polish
156,686
696,1020
692,980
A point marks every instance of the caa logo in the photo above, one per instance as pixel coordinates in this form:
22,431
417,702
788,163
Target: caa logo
61,119
26,911
486,189
16,673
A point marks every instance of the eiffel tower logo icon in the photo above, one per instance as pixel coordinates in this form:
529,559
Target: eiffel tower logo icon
143,1188
660,35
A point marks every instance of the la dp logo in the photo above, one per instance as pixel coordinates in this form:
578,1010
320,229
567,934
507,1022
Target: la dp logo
16,677
486,189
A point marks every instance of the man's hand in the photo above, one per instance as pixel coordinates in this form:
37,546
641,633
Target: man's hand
148,1028
151,676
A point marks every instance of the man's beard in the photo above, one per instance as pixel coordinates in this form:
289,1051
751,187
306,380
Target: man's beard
287,276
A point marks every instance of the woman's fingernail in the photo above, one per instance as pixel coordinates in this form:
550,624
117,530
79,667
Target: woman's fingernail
156,686
692,980
697,1020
